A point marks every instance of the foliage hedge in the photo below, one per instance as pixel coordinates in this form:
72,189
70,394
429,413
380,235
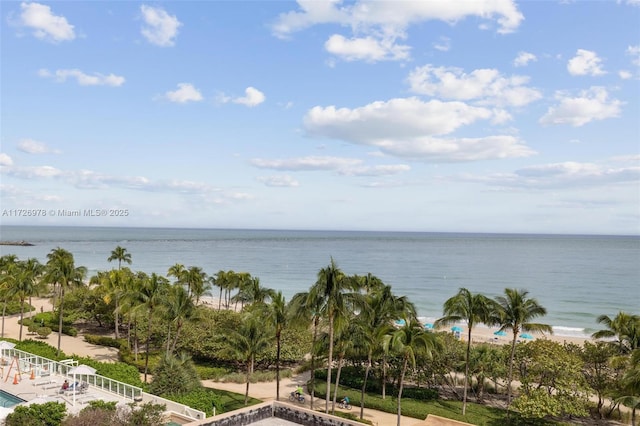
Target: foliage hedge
95,339
48,414
49,319
353,377
13,308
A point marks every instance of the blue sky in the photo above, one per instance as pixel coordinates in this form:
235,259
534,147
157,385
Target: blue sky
476,116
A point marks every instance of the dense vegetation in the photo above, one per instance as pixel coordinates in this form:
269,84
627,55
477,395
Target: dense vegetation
367,340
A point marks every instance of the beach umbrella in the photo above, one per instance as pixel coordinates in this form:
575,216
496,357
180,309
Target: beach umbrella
526,336
500,333
455,328
81,370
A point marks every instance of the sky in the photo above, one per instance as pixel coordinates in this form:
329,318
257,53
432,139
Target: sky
434,116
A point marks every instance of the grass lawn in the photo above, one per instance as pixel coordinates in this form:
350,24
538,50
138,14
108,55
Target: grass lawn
475,414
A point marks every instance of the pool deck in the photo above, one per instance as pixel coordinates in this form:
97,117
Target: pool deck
45,389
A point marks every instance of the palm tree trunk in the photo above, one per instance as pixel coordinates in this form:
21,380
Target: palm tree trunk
466,374
21,318
384,377
146,361
278,366
220,299
404,369
4,312
116,320
328,392
513,352
60,320
313,359
246,392
364,384
335,391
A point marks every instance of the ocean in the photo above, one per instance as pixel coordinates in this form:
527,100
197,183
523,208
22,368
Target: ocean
575,277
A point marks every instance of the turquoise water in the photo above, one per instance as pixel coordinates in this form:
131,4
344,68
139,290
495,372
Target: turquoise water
8,400
575,277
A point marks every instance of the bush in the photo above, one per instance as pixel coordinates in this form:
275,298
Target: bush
105,341
13,308
33,328
43,332
206,372
51,320
174,376
49,414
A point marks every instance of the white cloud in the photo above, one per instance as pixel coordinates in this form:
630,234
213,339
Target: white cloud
185,93
366,49
83,79
487,86
306,163
523,59
379,170
34,147
376,25
634,52
443,45
279,181
5,160
395,16
585,62
45,24
253,97
569,174
592,104
160,28
408,128
624,74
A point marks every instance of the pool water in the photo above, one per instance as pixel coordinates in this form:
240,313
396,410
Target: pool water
8,400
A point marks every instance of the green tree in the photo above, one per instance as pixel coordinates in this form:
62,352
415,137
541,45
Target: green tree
114,283
8,273
195,279
516,311
174,376
25,285
278,319
332,287
61,271
121,255
246,343
179,308
473,309
152,294
631,385
624,327
407,342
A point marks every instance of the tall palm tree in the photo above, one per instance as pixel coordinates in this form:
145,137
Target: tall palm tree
306,309
624,327
8,274
152,294
61,271
516,311
195,279
248,341
278,318
114,283
473,309
121,255
25,284
331,286
409,341
179,308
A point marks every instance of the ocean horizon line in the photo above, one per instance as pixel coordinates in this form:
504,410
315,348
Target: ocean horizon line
385,231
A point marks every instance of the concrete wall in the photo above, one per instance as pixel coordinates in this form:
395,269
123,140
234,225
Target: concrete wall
281,410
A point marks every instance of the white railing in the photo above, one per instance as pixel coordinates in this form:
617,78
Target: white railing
174,406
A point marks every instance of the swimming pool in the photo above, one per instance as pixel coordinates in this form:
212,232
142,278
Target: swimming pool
8,400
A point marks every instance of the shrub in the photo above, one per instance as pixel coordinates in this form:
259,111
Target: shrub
206,372
43,332
33,328
174,376
48,414
105,341
202,399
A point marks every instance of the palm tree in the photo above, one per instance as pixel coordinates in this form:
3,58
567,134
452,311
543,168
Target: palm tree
245,343
115,283
278,317
152,294
331,287
25,284
180,307
472,309
61,271
409,341
630,382
516,311
195,279
121,255
177,271
624,327
380,308
307,309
